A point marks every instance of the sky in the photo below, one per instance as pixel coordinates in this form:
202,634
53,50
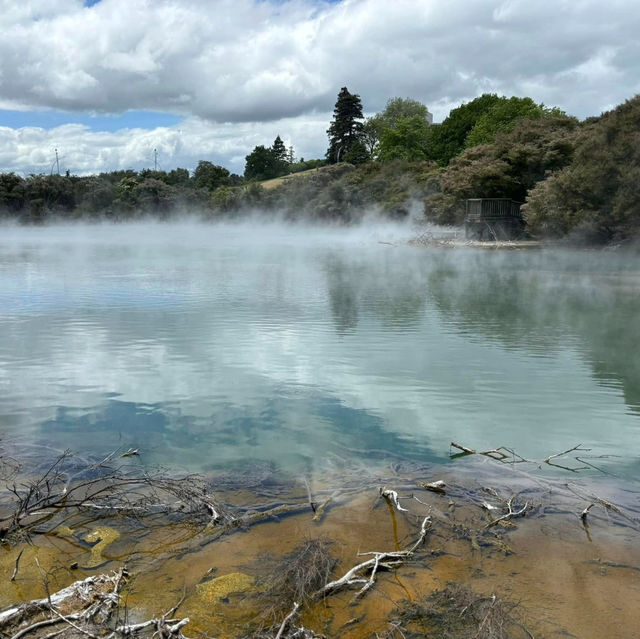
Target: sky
105,82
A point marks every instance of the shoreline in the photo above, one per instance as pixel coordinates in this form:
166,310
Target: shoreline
547,557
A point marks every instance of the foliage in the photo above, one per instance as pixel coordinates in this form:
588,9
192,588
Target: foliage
346,127
260,164
598,194
357,153
577,178
407,140
281,156
12,192
345,192
279,151
370,135
509,167
94,195
210,176
449,138
49,193
305,165
267,163
501,117
178,177
154,195
397,111
401,108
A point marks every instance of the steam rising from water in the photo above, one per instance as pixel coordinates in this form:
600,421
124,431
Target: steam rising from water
209,345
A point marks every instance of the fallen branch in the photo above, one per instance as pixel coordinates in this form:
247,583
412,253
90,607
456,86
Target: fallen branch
287,619
387,560
15,570
494,453
511,514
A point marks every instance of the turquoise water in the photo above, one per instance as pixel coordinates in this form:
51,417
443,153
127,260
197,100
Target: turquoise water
209,347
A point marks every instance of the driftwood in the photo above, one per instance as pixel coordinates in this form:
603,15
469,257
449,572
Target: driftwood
511,513
391,496
90,609
379,560
508,455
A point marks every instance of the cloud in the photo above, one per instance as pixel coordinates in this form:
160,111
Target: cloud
249,63
240,60
83,151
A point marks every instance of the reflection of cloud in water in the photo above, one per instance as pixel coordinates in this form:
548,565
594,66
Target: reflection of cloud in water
293,433
214,348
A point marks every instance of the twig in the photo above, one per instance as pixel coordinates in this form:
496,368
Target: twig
73,625
512,513
35,626
15,570
287,619
566,452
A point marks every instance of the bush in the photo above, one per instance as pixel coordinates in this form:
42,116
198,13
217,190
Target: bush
597,196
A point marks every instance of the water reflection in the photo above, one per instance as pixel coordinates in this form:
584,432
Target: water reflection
210,346
590,302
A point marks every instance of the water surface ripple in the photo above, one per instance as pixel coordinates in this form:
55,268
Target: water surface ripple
210,346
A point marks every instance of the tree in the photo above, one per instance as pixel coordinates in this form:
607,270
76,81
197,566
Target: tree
510,167
281,157
346,127
261,164
210,176
279,150
502,117
371,133
449,138
94,194
402,108
178,177
598,193
396,110
12,191
407,140
357,153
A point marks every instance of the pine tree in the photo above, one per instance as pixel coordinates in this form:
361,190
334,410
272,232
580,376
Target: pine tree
279,150
281,157
346,127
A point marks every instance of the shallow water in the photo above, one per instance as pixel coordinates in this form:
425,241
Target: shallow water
212,346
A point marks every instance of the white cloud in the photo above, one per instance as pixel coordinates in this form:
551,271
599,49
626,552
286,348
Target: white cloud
245,61
82,151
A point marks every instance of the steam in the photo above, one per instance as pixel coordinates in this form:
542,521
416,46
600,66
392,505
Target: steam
259,339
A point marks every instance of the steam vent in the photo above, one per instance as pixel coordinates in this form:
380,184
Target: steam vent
492,219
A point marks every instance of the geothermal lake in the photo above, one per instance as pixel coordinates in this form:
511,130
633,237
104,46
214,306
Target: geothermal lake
214,347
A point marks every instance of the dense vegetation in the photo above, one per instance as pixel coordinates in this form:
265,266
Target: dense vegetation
577,179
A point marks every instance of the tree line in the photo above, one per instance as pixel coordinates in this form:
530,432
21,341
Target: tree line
574,178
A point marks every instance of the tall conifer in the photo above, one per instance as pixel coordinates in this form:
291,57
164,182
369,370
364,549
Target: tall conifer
346,127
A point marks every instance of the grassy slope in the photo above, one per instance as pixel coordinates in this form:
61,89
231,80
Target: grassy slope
272,184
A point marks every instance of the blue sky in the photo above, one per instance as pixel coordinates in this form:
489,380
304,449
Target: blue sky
53,118
108,81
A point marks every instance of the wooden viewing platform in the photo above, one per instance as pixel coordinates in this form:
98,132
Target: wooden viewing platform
493,219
